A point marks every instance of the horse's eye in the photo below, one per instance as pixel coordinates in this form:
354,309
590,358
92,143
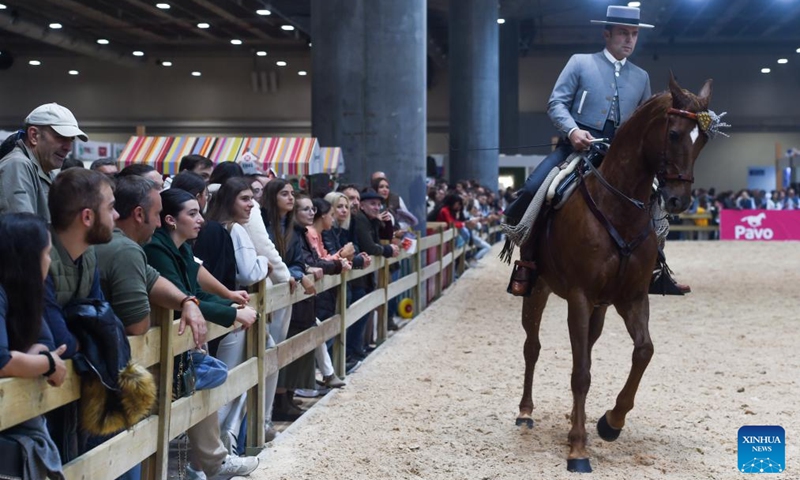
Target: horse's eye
674,136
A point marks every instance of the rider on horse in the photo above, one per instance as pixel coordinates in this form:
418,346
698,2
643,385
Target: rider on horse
594,94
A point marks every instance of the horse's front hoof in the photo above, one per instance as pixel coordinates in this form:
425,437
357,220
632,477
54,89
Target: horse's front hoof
525,421
606,431
579,465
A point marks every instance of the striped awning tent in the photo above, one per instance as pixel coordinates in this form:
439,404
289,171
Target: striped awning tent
164,153
292,156
332,160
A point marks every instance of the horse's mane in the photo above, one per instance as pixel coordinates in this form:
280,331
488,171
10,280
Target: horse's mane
655,108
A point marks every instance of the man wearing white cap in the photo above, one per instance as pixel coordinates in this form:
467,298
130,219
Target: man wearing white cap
26,172
594,94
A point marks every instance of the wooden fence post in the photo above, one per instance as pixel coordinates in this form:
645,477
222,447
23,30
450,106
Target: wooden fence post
340,347
384,278
416,262
439,256
256,398
453,270
163,318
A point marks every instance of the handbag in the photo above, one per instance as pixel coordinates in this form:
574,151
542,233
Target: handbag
183,378
209,371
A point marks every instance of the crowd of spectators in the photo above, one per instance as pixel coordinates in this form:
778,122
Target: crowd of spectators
192,244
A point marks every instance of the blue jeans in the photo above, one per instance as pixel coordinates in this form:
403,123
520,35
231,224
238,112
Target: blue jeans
482,246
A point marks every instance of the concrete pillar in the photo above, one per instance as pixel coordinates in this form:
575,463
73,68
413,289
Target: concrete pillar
509,87
474,124
368,92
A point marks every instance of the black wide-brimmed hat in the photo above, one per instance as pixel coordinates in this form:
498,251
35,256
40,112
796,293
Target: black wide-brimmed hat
628,16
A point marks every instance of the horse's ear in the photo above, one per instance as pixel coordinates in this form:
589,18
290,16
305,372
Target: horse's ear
679,97
705,92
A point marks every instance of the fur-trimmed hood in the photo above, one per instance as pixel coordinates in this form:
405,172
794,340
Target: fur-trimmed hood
104,412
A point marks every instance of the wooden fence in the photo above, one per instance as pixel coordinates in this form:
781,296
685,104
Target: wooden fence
148,441
689,225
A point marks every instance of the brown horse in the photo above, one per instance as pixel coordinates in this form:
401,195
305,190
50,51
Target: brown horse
600,249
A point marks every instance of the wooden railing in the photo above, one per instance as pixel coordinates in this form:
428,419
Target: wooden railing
688,223
148,441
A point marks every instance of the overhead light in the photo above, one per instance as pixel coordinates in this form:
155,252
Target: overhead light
102,41
263,12
287,28
261,53
501,21
280,63
196,74
166,63
302,73
765,70
34,63
138,53
309,44
635,4
162,6
2,6
203,25
798,50
73,72
783,61
236,41
55,26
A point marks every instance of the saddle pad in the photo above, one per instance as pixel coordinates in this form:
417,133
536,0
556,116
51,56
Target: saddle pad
567,167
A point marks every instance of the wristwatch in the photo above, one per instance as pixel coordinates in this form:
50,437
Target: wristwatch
51,361
190,298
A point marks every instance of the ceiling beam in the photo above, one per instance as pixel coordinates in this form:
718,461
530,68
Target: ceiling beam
233,19
108,20
58,39
299,22
732,11
786,19
172,20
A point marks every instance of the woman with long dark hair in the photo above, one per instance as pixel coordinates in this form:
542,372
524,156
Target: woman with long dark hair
228,211
277,207
24,245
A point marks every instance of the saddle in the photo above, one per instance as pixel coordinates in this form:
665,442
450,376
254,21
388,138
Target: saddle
551,195
561,188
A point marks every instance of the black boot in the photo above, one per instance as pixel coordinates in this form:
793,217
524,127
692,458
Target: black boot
284,409
662,282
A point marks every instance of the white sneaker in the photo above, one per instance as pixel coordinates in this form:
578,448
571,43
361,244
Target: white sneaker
235,466
192,474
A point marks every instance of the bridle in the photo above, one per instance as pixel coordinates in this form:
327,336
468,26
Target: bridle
663,176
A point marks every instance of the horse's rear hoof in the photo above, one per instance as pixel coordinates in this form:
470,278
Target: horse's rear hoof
525,421
606,431
579,465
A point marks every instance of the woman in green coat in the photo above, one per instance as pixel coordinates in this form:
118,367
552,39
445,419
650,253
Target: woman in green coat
170,254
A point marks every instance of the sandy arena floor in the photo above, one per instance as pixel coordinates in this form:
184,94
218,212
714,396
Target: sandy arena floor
438,400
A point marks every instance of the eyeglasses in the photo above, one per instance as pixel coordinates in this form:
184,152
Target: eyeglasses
308,209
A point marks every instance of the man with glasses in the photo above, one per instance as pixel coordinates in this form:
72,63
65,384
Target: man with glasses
26,172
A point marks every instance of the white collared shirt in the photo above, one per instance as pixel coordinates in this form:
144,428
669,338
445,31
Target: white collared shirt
611,58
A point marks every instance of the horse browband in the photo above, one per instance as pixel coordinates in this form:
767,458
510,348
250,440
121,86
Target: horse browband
709,122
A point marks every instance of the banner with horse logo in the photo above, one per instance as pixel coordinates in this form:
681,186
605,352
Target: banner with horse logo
759,225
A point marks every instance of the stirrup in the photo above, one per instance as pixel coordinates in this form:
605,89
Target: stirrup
523,277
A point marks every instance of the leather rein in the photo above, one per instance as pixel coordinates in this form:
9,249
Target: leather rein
627,248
